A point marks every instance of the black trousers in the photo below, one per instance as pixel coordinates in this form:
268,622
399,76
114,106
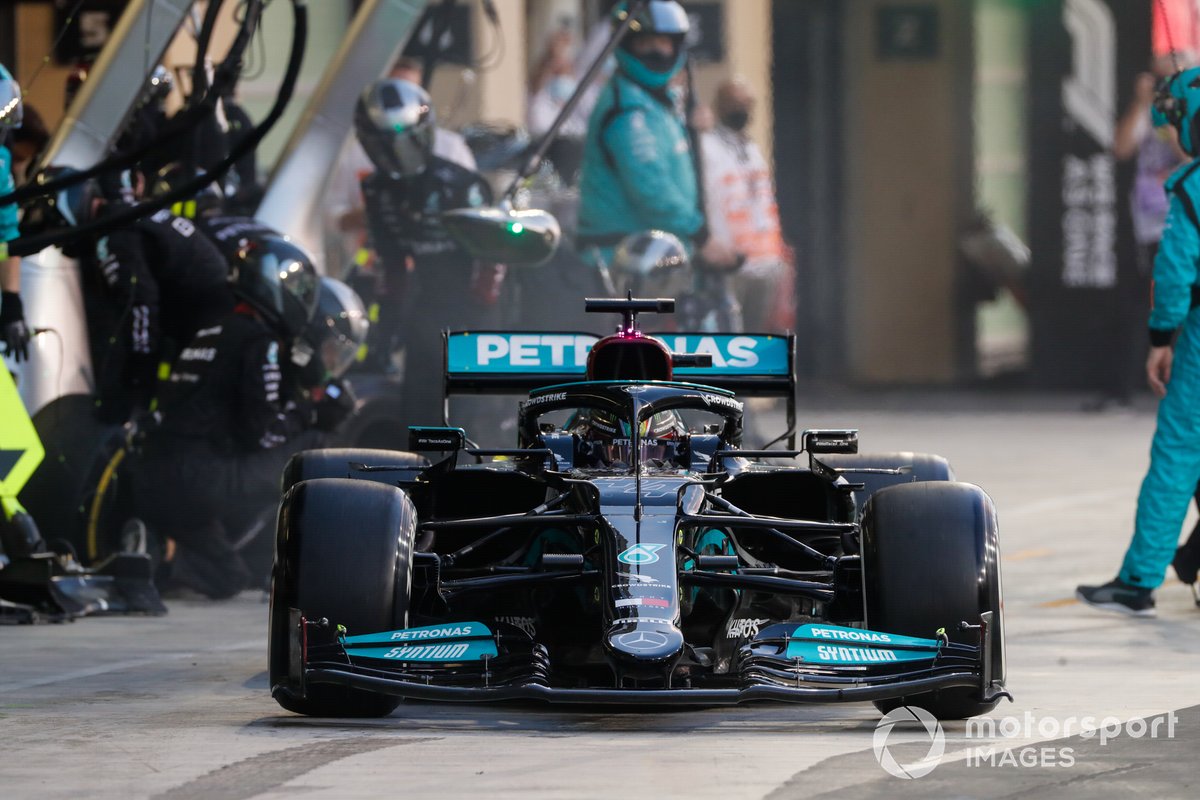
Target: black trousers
206,501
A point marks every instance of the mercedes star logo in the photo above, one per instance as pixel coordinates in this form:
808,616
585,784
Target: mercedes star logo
642,640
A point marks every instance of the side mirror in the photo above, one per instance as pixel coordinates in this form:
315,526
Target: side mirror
821,441
504,236
443,440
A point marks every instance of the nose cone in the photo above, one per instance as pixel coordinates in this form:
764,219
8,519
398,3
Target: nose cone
645,643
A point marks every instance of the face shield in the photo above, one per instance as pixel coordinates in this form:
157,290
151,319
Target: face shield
278,279
296,287
395,123
343,322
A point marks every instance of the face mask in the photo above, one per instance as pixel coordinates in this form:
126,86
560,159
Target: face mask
658,61
736,120
561,87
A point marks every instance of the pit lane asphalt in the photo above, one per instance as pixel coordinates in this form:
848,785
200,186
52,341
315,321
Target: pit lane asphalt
177,707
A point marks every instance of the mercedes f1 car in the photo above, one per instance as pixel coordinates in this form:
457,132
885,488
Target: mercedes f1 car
629,550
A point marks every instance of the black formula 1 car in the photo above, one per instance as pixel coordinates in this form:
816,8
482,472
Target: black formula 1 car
629,551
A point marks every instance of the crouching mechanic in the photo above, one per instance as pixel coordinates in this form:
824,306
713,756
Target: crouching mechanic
227,424
166,282
149,287
314,377
1173,371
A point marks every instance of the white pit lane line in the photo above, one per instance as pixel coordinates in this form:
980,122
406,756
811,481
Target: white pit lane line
119,666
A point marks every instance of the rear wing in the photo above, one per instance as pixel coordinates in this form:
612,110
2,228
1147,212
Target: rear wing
507,362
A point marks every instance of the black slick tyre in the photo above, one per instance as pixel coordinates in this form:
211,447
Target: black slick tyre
343,552
931,560
343,462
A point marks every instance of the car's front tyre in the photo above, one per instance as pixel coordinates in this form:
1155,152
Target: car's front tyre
931,560
343,553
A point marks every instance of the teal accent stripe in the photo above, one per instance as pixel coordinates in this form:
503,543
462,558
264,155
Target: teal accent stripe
424,635
433,652
834,644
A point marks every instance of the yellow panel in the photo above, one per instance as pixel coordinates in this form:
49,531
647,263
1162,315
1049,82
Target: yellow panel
16,434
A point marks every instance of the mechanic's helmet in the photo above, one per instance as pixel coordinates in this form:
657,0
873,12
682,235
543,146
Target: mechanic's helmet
653,264
333,337
278,279
1177,103
11,109
158,87
206,202
655,69
610,439
629,357
66,208
395,122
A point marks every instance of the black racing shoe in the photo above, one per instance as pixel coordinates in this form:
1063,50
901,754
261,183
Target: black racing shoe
1185,564
1116,595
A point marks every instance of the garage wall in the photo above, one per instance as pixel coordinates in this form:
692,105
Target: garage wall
34,35
908,187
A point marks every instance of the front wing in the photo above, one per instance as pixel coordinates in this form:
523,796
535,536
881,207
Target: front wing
520,669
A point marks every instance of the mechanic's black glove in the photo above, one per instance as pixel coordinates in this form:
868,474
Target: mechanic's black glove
141,370
332,403
12,326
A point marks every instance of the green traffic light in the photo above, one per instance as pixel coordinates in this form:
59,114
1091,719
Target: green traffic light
516,229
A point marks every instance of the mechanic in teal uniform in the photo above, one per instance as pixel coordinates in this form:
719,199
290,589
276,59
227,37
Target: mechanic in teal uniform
14,333
1173,370
638,169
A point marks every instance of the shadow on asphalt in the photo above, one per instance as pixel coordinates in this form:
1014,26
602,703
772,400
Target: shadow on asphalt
767,718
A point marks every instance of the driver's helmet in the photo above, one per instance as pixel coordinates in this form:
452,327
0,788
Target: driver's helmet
333,337
608,439
395,124
11,109
628,355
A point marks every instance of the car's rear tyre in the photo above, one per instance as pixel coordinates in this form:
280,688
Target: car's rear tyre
916,467
931,560
343,552
339,462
